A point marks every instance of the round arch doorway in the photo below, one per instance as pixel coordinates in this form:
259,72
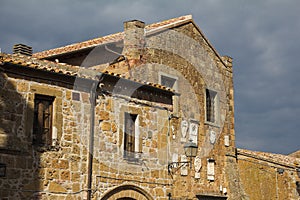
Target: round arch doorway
127,192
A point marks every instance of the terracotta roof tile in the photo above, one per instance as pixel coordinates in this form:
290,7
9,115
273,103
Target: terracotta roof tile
81,45
35,63
110,38
62,68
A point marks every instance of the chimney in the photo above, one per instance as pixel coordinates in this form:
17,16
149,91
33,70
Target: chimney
134,39
22,49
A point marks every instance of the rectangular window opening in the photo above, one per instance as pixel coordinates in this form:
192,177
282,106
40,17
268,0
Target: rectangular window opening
131,140
168,81
211,106
42,123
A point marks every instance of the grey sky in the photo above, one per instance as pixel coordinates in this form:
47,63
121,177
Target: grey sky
263,37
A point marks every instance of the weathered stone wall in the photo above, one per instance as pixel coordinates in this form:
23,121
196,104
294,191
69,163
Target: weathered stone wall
61,171
183,53
33,172
111,169
263,179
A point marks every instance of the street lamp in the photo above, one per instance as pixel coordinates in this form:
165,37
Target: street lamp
190,150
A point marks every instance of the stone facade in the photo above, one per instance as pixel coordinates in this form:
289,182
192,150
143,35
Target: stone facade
120,121
269,176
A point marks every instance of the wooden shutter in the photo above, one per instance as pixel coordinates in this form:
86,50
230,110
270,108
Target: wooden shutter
42,127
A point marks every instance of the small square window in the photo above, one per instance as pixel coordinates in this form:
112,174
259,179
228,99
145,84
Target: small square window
211,106
42,123
168,80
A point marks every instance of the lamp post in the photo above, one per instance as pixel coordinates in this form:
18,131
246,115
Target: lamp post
190,150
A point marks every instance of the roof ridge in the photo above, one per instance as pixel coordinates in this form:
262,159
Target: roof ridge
114,37
280,159
89,43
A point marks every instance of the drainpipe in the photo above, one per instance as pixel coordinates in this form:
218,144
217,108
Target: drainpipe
93,97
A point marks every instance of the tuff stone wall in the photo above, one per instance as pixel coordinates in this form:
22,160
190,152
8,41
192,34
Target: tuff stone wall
183,54
61,171
262,178
32,172
111,169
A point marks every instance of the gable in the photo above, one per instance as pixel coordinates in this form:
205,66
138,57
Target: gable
108,48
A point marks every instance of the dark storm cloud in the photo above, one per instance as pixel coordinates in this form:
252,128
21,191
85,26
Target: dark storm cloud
261,36
267,97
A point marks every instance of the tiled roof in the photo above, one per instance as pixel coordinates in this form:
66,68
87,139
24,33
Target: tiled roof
35,63
279,159
62,68
111,38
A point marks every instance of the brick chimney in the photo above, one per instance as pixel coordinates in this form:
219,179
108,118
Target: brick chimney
22,49
134,39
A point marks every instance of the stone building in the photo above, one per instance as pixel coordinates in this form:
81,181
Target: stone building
269,176
112,118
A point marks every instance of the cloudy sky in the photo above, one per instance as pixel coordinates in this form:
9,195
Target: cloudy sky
263,37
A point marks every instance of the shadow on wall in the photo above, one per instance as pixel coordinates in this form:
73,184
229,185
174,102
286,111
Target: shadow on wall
20,180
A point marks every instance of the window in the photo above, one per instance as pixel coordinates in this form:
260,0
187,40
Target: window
131,140
42,123
168,80
211,106
171,82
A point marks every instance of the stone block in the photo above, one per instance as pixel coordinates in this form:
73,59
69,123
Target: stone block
55,187
159,192
22,87
51,174
60,164
105,126
65,175
76,187
103,115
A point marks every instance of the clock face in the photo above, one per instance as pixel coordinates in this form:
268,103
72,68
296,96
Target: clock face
212,137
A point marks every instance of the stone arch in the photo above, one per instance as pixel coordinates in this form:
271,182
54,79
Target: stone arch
131,192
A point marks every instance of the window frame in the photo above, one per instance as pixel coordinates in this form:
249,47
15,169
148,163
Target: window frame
57,121
161,74
43,105
132,154
214,106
